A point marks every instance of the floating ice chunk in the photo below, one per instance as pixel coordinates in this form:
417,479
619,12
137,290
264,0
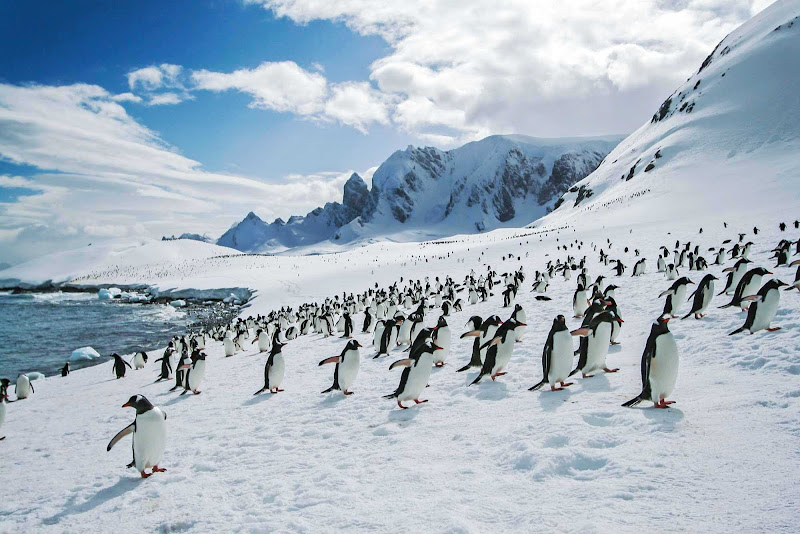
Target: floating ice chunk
178,303
84,353
104,294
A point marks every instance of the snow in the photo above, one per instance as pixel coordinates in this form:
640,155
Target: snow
84,353
178,303
493,456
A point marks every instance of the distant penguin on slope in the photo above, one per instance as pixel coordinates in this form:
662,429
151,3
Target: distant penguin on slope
65,370
195,372
3,398
659,366
149,430
441,338
119,365
24,387
139,359
273,369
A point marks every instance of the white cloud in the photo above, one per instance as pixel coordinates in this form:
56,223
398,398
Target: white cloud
459,70
356,104
164,99
126,97
155,77
116,178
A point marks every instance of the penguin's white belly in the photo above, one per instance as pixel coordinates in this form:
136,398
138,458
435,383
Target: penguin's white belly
378,335
737,277
442,340
138,361
616,328
661,264
23,388
560,358
229,348
418,377
707,296
405,333
149,439
348,369
263,342
504,350
750,289
678,299
276,371
597,350
196,374
766,310
580,304
664,368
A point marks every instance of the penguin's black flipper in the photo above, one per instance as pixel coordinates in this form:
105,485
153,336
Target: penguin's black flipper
121,434
537,386
131,464
542,297
737,331
465,368
633,402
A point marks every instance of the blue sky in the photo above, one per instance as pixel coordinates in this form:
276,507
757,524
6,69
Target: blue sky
128,120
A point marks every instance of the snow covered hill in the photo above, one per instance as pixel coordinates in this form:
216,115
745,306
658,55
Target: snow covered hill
727,140
419,193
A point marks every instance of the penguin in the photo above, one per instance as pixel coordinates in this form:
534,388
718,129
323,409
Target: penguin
230,348
65,369
377,333
441,338
273,369
369,322
180,371
415,376
661,264
119,365
139,359
475,331
556,357
678,292
3,398
737,272
346,370
23,387
763,309
348,325
659,366
598,337
519,316
796,283
166,364
389,336
500,346
195,372
702,297
616,326
580,301
671,272
149,430
640,267
484,333
262,338
747,286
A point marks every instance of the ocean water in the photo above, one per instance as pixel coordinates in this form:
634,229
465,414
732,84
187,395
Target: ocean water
39,331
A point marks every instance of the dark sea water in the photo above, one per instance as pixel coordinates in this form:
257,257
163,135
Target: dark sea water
39,331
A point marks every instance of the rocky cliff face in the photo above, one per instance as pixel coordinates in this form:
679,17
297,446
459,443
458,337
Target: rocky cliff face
500,180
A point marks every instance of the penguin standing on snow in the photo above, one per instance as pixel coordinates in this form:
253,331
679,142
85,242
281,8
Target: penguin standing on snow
500,346
348,325
678,293
119,365
3,398
262,338
139,359
763,309
441,338
475,323
737,272
195,372
65,370
274,369
580,301
369,322
556,357
166,364
519,316
180,370
747,286
592,353
640,267
149,430
702,297
415,376
389,336
23,387
346,370
659,366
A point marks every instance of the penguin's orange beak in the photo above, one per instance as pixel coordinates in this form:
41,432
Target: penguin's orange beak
522,324
437,347
127,405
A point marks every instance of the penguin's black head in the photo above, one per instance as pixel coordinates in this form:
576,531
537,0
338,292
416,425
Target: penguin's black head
140,403
353,344
760,270
441,323
115,355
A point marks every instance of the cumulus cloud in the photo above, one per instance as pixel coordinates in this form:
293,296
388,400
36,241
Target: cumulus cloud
163,99
457,71
161,84
116,178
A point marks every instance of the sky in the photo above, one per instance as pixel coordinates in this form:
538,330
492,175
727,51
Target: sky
130,120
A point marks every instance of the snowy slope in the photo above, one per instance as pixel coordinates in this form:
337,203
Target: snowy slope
488,457
726,140
419,193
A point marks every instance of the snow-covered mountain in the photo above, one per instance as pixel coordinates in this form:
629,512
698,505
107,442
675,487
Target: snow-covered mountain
418,193
727,139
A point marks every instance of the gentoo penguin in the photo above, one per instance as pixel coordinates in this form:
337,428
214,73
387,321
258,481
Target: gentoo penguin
747,286
273,369
230,347
166,363
702,297
180,370
661,264
678,292
475,323
484,332
520,317
659,366
346,370
149,430
580,301
389,336
796,283
262,338
415,376
119,365
3,398
139,359
737,272
348,325
616,326
609,292
24,387
556,357
500,347
763,309
377,333
640,267
441,338
671,272
598,337
195,372
65,369
369,323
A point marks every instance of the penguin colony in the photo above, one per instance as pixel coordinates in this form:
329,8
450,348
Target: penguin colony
394,317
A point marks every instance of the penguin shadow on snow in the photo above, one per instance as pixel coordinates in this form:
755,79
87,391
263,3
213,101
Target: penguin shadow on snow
487,389
550,401
179,397
404,416
258,399
123,486
332,399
